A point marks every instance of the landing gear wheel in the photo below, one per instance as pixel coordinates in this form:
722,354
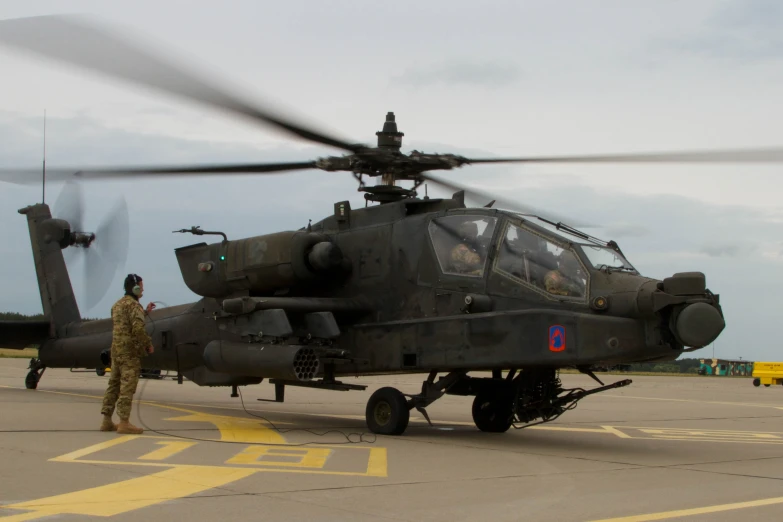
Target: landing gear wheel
34,375
31,381
100,371
757,382
492,412
387,412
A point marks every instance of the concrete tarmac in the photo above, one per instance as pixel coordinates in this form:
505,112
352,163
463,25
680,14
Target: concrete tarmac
687,448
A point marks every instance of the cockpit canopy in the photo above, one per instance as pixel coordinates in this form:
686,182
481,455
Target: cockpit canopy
532,255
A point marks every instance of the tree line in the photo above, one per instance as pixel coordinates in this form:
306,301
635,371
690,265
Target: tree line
13,316
685,365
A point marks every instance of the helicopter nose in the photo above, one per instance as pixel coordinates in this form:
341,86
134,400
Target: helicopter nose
698,324
696,318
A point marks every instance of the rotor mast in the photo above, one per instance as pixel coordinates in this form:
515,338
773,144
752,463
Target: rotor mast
389,139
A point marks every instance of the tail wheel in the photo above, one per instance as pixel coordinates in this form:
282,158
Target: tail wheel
31,381
492,412
387,412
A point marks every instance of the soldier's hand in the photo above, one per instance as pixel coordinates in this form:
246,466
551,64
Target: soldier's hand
150,307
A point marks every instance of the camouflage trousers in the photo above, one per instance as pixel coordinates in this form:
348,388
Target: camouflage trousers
124,377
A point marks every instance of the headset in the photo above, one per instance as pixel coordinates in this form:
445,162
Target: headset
136,290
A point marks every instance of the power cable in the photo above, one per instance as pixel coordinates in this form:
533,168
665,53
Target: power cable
350,438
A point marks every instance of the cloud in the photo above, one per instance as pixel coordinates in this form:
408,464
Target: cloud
741,32
721,250
483,74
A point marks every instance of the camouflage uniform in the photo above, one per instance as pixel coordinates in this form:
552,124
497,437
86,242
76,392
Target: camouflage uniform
556,283
465,260
129,345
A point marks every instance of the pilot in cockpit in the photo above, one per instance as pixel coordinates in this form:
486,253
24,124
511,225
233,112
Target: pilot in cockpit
565,279
466,256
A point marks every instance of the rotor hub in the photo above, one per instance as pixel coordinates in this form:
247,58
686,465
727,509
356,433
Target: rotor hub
389,137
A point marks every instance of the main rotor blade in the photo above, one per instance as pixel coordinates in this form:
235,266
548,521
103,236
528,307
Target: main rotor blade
514,206
766,155
87,45
28,176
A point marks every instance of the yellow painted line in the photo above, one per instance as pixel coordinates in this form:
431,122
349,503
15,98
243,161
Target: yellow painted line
169,405
68,457
169,449
289,412
128,495
314,458
722,403
615,431
703,430
236,429
447,422
377,464
259,469
562,428
695,439
696,511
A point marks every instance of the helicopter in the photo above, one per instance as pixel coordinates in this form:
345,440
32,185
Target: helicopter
405,285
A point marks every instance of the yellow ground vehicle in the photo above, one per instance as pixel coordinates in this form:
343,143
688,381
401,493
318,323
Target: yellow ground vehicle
767,373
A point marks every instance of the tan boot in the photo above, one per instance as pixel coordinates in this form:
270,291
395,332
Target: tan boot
107,424
126,427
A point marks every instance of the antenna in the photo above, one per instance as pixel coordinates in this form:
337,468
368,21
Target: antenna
43,185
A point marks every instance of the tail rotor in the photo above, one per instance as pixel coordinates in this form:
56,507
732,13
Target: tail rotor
101,252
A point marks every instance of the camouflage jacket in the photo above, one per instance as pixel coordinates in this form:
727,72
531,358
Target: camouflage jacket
129,338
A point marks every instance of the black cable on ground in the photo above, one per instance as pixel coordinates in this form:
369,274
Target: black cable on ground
360,437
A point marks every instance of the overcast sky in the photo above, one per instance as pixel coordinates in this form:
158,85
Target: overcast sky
502,78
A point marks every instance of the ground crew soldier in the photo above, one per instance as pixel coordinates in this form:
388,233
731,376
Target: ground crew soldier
130,343
563,280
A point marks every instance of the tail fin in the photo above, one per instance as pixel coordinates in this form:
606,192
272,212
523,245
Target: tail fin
48,237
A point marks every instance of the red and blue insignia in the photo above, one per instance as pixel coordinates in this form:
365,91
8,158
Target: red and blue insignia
557,338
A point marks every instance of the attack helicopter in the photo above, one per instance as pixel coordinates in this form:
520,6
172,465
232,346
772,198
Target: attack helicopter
405,285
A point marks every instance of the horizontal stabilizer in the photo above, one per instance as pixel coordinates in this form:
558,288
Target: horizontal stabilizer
18,335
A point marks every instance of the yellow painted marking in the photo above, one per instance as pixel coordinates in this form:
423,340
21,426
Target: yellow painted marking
447,422
137,493
168,405
617,432
722,403
697,435
258,469
237,429
307,457
696,511
676,432
377,464
178,480
68,457
169,449
577,430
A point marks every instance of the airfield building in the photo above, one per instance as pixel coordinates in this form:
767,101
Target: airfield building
725,367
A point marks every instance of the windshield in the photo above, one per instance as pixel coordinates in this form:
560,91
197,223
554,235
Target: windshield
562,232
462,242
605,256
535,261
